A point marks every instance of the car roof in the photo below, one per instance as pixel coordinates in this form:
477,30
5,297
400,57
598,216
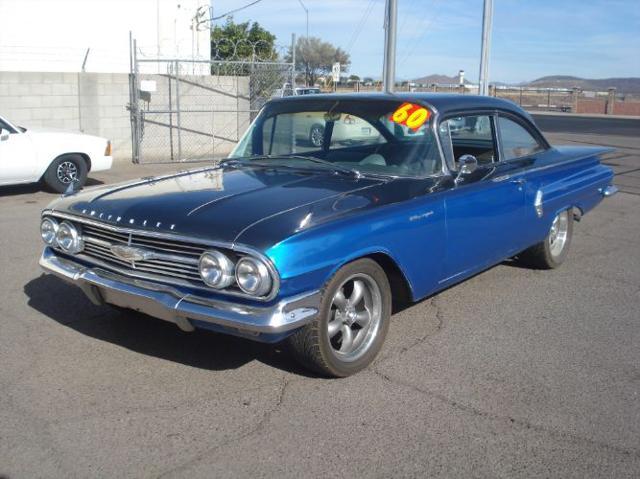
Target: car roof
443,103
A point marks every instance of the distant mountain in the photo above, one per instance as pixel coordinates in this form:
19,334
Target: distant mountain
622,85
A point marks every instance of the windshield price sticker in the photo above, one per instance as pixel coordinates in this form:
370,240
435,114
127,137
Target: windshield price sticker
410,115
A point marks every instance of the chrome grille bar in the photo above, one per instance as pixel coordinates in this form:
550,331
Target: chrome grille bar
170,259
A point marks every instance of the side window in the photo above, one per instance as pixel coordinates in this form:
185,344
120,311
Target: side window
516,140
469,135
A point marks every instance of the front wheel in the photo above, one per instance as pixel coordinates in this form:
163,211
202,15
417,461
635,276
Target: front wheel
351,325
552,251
63,171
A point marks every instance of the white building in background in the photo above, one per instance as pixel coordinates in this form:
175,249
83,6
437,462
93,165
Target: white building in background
54,35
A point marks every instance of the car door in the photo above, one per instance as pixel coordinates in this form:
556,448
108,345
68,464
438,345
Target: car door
484,209
17,156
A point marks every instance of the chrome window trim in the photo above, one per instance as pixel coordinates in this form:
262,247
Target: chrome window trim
240,248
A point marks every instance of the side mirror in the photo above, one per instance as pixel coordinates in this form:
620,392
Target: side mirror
4,134
467,164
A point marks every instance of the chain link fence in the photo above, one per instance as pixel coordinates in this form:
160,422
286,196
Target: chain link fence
185,109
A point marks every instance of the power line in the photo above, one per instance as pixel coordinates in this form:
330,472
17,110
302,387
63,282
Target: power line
235,10
358,30
425,25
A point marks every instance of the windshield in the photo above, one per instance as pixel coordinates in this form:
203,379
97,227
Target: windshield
363,136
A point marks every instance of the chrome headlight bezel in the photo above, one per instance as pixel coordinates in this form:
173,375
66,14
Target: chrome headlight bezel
253,276
216,269
53,224
69,238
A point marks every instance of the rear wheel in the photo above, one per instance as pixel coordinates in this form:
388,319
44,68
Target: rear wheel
63,171
552,251
351,325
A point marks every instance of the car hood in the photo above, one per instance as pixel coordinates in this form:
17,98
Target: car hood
212,203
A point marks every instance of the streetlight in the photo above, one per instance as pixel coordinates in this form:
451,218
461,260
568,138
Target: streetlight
306,11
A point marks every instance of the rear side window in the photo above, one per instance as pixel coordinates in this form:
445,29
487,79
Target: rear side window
517,142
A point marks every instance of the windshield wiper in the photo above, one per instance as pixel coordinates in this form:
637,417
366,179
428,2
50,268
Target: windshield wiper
249,160
333,166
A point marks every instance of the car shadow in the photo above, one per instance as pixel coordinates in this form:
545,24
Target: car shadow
32,188
67,305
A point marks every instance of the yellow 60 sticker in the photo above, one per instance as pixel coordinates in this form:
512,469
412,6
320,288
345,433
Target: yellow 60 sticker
413,116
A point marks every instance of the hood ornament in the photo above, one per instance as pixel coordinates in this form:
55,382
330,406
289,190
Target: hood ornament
71,188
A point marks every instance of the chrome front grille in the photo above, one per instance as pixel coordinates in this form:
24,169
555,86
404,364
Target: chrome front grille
169,260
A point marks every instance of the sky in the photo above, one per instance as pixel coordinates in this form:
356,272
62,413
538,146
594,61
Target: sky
531,38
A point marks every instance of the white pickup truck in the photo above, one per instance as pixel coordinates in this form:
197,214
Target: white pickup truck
56,158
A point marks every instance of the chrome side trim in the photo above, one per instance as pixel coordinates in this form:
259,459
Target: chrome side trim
537,203
169,304
608,191
239,247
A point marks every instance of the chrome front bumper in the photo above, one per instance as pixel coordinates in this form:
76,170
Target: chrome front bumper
187,311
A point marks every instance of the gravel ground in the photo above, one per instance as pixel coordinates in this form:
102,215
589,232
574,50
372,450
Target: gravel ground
513,373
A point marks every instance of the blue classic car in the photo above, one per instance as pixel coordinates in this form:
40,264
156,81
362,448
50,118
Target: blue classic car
312,239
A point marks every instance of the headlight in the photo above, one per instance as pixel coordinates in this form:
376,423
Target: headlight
68,238
48,230
253,276
216,270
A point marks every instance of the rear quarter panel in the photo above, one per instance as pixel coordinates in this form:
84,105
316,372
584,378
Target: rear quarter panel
568,177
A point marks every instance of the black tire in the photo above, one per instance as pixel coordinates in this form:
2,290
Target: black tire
312,346
316,136
541,255
62,170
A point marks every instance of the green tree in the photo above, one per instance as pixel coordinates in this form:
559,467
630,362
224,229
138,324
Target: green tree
315,57
354,78
242,41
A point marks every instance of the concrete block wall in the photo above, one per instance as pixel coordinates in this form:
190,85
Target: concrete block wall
40,100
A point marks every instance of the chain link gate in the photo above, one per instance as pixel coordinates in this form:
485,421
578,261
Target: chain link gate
192,110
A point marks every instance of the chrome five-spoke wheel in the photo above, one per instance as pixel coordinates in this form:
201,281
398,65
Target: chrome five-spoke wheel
355,315
552,251
351,324
558,234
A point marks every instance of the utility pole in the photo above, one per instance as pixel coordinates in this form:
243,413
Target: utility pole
485,51
390,25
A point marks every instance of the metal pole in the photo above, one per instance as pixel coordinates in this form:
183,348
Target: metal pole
487,20
390,25
135,106
176,66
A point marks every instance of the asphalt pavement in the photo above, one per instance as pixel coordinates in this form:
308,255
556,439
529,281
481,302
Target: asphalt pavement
513,373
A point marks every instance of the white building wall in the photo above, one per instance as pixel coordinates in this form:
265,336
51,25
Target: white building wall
53,35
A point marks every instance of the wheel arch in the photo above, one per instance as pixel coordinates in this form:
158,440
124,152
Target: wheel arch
401,291
83,155
401,288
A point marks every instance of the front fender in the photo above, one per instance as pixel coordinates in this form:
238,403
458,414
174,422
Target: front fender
411,233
